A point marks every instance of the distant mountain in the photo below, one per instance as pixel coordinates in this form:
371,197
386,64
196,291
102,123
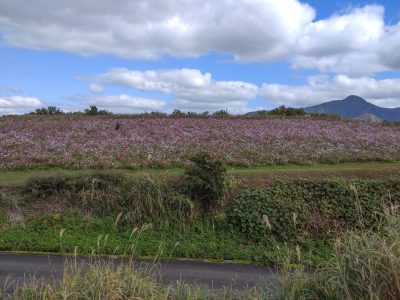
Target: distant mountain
354,107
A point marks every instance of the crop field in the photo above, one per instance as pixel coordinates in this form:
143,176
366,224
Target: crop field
92,142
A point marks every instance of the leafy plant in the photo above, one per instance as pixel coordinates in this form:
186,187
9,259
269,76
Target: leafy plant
206,181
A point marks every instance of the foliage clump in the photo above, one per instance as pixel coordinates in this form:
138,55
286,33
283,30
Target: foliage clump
293,210
206,181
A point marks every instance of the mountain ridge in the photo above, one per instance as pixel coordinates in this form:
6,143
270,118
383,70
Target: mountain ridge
355,107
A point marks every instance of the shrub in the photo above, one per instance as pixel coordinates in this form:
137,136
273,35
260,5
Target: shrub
206,181
293,210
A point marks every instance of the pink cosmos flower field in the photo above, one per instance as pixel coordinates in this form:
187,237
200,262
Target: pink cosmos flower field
92,142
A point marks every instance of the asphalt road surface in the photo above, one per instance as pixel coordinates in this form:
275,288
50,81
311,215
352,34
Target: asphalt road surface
214,275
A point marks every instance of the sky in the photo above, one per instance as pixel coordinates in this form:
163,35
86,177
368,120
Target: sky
196,55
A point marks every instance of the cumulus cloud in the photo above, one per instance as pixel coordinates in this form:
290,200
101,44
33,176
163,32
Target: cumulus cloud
354,42
18,104
125,103
190,87
95,88
323,88
145,29
347,43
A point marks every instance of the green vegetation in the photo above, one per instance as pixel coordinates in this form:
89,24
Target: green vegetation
201,239
206,181
141,199
298,209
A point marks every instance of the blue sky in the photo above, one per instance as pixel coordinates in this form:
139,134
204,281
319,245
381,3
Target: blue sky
197,55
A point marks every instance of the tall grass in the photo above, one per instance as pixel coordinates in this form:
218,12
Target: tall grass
139,200
365,265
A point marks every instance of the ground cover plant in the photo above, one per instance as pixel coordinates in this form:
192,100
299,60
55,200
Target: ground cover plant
297,209
92,141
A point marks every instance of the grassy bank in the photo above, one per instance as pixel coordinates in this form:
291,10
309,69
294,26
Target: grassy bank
202,239
107,212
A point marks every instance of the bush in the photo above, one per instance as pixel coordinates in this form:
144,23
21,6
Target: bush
298,209
206,181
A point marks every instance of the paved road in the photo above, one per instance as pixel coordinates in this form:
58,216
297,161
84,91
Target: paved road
215,275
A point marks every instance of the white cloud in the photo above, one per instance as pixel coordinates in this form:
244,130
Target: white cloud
347,43
143,29
321,88
355,42
18,104
125,103
95,88
190,87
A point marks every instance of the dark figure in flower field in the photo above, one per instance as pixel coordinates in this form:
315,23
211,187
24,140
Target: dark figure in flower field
117,126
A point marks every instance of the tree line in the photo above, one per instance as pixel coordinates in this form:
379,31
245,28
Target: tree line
281,111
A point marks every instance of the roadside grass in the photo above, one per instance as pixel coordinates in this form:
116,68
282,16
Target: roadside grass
101,279
365,264
202,239
351,169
